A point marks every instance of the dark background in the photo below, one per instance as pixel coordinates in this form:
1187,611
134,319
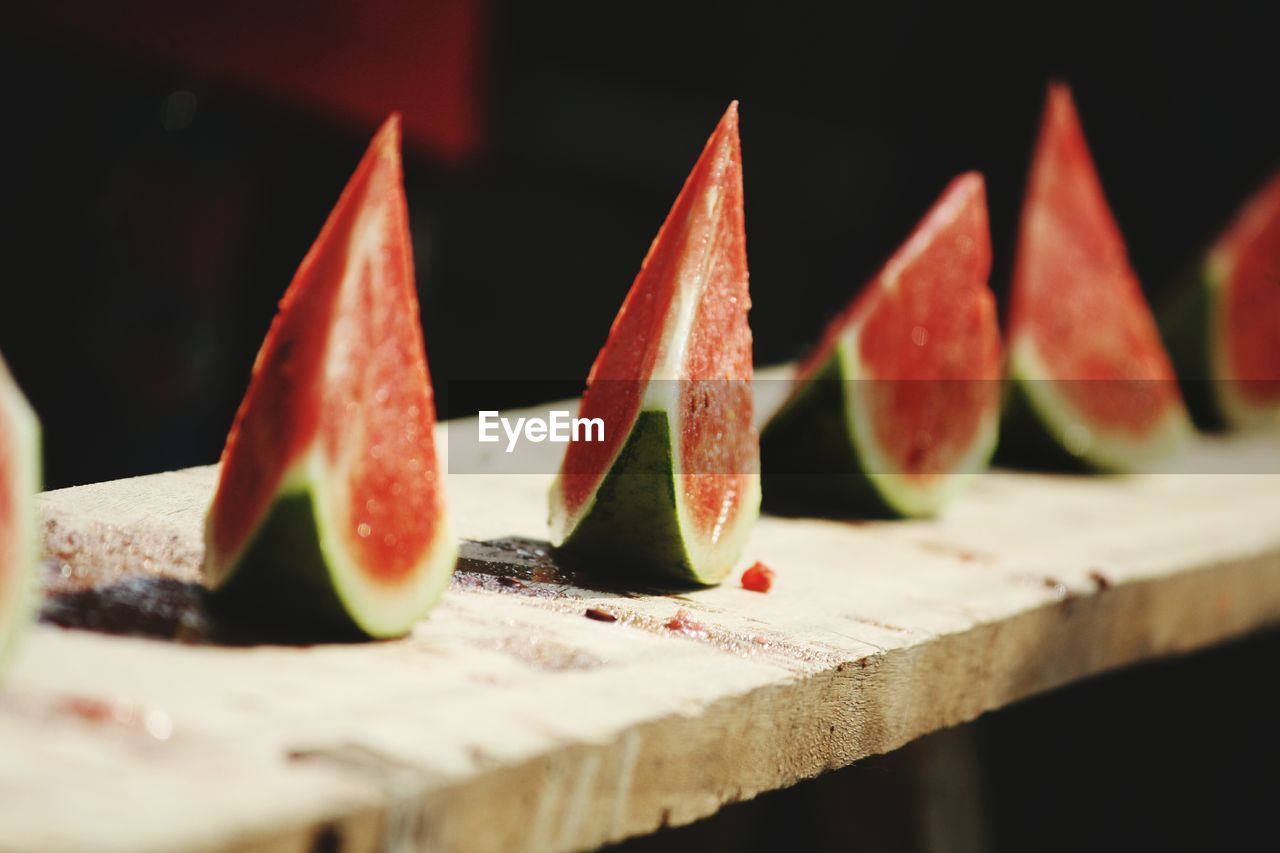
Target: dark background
169,166
1162,757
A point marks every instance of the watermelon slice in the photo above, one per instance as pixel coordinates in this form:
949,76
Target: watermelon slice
900,401
329,515
1091,382
19,527
1224,330
672,491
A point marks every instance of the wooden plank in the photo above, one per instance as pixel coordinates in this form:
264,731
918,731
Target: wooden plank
509,721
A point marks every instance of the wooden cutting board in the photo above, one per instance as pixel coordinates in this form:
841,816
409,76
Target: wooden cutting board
510,720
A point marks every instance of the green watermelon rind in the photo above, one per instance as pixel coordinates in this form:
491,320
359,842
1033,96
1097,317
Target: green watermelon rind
1187,325
819,451
1038,416
18,603
293,556
1194,332
634,526
808,459
1026,444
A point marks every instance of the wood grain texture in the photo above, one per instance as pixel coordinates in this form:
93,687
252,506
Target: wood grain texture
510,721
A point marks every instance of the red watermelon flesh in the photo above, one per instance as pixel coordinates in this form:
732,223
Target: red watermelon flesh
19,482
1245,262
718,440
1078,318
684,319
340,406
672,385
927,340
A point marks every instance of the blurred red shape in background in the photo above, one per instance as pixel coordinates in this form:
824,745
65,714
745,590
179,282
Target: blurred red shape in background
355,60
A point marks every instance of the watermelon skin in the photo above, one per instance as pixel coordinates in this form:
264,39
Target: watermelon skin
329,519
1025,441
672,493
817,460
809,459
20,475
1223,325
1187,325
1089,374
289,584
635,527
916,352
286,559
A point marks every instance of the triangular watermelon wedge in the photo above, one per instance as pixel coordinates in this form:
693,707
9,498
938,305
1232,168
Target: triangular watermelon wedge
1224,330
672,492
900,401
19,525
1091,381
329,515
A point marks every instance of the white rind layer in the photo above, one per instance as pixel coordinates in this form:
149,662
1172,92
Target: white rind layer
912,496
381,609
1117,451
559,520
18,597
714,557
